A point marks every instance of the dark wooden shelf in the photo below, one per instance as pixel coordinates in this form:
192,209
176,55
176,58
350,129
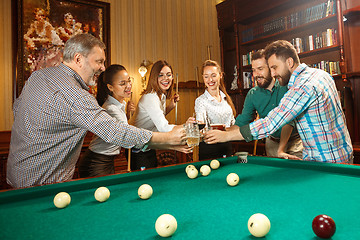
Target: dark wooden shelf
291,30
319,50
352,13
237,16
191,85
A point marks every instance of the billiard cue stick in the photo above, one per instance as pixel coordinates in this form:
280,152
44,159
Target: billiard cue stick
197,81
129,149
196,148
129,160
177,92
256,141
208,51
176,107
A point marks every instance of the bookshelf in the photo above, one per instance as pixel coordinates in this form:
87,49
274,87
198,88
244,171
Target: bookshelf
314,27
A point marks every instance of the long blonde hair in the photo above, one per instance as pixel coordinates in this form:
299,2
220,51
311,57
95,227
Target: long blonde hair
211,63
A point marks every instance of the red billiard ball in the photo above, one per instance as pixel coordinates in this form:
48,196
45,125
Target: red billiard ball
323,226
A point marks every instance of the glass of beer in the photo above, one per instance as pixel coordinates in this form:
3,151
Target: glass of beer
192,134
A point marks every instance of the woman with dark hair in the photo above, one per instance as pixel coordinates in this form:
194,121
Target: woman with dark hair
114,85
152,109
216,105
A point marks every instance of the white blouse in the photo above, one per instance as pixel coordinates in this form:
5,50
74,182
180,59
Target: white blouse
115,109
150,113
217,112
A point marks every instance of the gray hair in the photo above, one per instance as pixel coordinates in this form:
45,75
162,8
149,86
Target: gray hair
81,43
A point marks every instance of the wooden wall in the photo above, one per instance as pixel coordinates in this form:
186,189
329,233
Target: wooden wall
6,71
176,30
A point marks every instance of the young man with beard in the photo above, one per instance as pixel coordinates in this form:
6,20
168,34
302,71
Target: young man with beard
312,102
285,142
54,112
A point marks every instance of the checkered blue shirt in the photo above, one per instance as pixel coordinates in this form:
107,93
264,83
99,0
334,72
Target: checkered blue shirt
51,118
313,102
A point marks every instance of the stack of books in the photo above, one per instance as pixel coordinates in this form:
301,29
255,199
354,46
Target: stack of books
293,20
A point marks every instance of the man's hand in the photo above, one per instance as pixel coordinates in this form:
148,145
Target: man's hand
285,155
215,136
167,140
177,136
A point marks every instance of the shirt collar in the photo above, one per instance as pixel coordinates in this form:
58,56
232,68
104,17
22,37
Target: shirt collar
114,101
208,95
296,73
75,75
163,97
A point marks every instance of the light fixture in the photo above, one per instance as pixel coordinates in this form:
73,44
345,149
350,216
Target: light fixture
143,70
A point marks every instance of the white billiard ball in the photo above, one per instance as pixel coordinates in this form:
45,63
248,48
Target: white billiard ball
232,179
192,173
62,200
259,225
166,225
205,170
102,194
145,191
215,164
189,167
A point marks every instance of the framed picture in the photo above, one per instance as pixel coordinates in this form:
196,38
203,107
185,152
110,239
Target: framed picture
44,26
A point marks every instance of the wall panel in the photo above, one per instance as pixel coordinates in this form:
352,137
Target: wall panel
175,30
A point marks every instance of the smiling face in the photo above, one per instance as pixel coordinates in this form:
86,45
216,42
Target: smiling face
121,85
261,72
92,65
165,79
212,76
280,69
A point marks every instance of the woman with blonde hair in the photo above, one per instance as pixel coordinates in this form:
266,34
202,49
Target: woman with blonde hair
215,107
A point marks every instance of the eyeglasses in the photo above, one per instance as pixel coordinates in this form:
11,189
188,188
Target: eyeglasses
168,75
124,82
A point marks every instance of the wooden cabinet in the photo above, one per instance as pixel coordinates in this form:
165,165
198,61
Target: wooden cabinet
316,29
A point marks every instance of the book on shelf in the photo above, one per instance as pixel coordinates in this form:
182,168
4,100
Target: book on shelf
248,80
330,7
247,58
315,41
292,20
332,67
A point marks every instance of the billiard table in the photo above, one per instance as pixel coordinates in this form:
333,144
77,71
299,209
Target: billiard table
290,193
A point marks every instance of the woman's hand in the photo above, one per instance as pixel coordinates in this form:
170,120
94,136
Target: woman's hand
130,108
182,148
173,101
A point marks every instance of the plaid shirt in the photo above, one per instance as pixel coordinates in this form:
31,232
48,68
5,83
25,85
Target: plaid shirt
51,118
313,102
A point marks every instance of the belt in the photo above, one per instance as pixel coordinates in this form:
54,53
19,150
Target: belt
292,137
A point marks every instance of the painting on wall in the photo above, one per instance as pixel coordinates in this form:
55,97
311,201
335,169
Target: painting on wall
44,26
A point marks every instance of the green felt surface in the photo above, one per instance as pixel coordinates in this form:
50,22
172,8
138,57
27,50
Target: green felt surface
290,193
